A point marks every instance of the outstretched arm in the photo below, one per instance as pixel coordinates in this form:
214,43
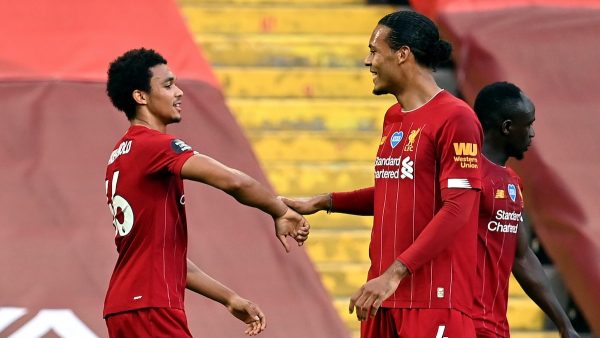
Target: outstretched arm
357,202
529,273
243,309
250,192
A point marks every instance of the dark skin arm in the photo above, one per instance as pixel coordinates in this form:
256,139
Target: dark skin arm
198,281
528,271
250,192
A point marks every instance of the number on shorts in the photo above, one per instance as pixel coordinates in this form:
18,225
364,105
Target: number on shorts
440,333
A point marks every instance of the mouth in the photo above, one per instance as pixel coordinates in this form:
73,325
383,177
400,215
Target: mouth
177,106
373,75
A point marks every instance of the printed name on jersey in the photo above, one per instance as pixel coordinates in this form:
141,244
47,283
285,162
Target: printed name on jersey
179,146
512,192
502,222
405,167
123,149
396,138
411,139
465,154
500,193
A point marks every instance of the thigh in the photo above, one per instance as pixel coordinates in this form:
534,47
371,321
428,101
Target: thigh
436,323
150,322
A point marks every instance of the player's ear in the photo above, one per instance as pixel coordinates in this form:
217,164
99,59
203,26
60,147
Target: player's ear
139,96
506,126
402,54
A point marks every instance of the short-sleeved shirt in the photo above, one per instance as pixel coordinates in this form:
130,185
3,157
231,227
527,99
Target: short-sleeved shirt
434,147
146,198
500,215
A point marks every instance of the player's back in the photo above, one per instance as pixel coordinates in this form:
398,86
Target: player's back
146,198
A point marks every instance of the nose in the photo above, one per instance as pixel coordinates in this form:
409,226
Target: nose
179,92
531,132
368,60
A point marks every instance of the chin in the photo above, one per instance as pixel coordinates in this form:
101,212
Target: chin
380,91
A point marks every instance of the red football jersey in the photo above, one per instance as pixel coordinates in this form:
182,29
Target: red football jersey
422,151
145,196
500,215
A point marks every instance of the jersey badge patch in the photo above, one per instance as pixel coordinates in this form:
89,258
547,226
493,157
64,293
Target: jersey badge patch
179,146
512,192
396,138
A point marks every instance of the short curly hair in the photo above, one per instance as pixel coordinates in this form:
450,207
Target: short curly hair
497,102
129,72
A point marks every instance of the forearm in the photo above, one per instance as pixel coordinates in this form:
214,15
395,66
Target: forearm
357,202
250,192
199,282
441,231
530,274
240,186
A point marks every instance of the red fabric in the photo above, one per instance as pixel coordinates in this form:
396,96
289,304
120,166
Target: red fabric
433,8
418,155
500,215
357,202
560,170
153,322
391,323
75,40
146,198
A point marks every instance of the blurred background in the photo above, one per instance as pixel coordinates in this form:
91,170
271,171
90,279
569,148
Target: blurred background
278,89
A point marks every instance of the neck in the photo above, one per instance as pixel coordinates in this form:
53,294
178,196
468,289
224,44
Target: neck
494,152
421,89
149,122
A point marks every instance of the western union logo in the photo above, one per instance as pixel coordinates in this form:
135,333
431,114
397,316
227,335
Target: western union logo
465,149
500,193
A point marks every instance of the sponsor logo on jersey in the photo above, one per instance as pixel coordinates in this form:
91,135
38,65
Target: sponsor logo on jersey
506,222
465,154
512,192
179,146
500,193
396,138
411,139
401,167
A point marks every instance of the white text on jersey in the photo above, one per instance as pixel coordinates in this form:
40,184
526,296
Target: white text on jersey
123,149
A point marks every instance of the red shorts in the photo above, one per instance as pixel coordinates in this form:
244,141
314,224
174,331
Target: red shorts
418,323
150,322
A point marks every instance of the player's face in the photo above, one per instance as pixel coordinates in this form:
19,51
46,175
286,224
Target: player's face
521,131
164,98
382,62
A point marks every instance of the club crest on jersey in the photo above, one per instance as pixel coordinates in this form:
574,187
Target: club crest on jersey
179,146
396,138
411,139
512,192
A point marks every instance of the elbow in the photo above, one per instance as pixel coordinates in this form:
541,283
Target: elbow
236,183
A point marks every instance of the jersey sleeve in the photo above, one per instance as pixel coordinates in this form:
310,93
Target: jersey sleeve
441,231
168,154
357,202
459,145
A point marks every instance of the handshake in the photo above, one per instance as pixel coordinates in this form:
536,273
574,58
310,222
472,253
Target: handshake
292,224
